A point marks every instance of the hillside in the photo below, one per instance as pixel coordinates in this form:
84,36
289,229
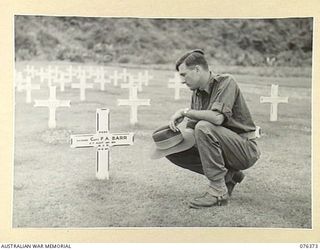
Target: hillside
283,42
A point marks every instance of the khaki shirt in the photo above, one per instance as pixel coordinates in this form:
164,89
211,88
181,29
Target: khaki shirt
223,94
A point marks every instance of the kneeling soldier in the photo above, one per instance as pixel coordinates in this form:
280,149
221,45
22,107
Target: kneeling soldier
223,130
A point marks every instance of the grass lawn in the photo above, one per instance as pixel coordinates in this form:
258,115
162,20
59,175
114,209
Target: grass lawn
55,185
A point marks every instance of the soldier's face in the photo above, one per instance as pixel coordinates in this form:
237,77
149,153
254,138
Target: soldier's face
190,76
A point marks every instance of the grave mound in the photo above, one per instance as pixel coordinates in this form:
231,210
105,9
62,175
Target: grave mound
56,136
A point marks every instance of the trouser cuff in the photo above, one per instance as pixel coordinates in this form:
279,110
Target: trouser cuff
217,189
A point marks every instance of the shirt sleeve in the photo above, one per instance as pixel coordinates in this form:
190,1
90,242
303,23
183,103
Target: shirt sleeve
225,97
190,122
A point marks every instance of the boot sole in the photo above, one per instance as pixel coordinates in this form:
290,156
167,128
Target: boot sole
218,204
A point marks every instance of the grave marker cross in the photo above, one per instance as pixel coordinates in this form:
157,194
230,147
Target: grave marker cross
102,79
82,85
29,87
146,77
115,77
176,85
133,101
102,140
52,103
124,75
274,99
51,74
63,78
134,85
30,70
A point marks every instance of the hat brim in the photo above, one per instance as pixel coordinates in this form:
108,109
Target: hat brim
188,142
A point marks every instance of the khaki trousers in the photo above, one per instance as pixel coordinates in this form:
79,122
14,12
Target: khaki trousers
217,150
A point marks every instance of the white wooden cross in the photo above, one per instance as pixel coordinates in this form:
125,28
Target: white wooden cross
133,86
29,87
50,74
102,140
133,101
70,73
77,70
115,77
274,99
99,71
101,78
55,72
30,70
146,77
63,78
42,73
90,71
176,85
82,85
52,103
124,75
133,82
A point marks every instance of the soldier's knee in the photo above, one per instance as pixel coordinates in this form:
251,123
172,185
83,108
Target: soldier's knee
203,128
200,126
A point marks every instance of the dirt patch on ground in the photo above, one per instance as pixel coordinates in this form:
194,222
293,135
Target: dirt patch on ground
59,136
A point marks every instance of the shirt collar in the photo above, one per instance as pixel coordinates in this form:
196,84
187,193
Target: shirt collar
208,87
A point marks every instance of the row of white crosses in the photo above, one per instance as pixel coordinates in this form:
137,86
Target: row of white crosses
52,74
133,84
52,103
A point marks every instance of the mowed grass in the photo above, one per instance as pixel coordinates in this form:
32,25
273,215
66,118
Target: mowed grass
55,185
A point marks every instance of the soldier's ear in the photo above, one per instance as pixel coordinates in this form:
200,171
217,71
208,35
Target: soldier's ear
197,68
